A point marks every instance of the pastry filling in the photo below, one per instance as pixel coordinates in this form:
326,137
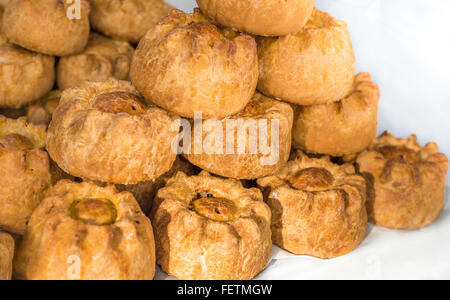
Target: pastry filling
312,179
15,141
120,102
216,209
100,212
400,154
229,33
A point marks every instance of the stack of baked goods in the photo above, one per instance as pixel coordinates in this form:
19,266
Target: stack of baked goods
116,158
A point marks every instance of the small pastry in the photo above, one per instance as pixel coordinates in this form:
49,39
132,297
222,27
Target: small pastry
208,228
6,256
244,157
25,172
407,182
127,20
52,27
340,128
104,132
259,17
186,64
40,113
84,232
102,59
314,66
318,208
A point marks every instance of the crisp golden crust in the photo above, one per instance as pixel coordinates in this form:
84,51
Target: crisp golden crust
186,64
3,3
40,113
315,66
259,17
86,135
248,165
340,128
102,59
83,231
44,26
211,228
407,182
25,172
6,256
318,208
127,20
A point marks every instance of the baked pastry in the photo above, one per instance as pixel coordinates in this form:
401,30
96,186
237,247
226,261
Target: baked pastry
186,64
314,66
102,59
246,158
3,3
211,228
260,17
340,128
84,232
6,256
25,172
47,26
127,20
103,132
24,76
407,182
318,208
40,113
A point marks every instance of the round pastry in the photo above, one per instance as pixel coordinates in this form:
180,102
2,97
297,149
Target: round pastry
85,232
104,132
6,256
24,76
186,64
340,128
40,113
102,59
208,228
244,157
260,17
318,208
51,27
407,182
314,66
25,172
127,20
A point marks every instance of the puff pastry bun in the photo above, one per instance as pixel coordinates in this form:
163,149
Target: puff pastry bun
211,228
314,66
340,128
104,132
6,256
40,113
318,208
407,182
186,64
85,232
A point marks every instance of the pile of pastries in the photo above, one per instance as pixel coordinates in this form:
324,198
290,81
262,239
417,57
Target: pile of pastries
92,187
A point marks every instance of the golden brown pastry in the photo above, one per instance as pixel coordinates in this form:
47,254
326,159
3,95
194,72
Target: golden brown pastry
127,20
318,208
40,113
44,26
6,255
314,66
211,228
339,128
102,59
260,17
240,162
24,170
85,232
3,3
407,182
104,132
186,64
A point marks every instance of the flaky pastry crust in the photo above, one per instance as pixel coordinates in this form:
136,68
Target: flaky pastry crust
103,132
211,228
82,231
247,165
407,182
259,17
40,113
25,172
186,64
44,26
6,256
340,128
314,66
318,208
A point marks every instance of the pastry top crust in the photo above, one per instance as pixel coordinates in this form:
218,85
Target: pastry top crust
19,135
40,113
6,255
